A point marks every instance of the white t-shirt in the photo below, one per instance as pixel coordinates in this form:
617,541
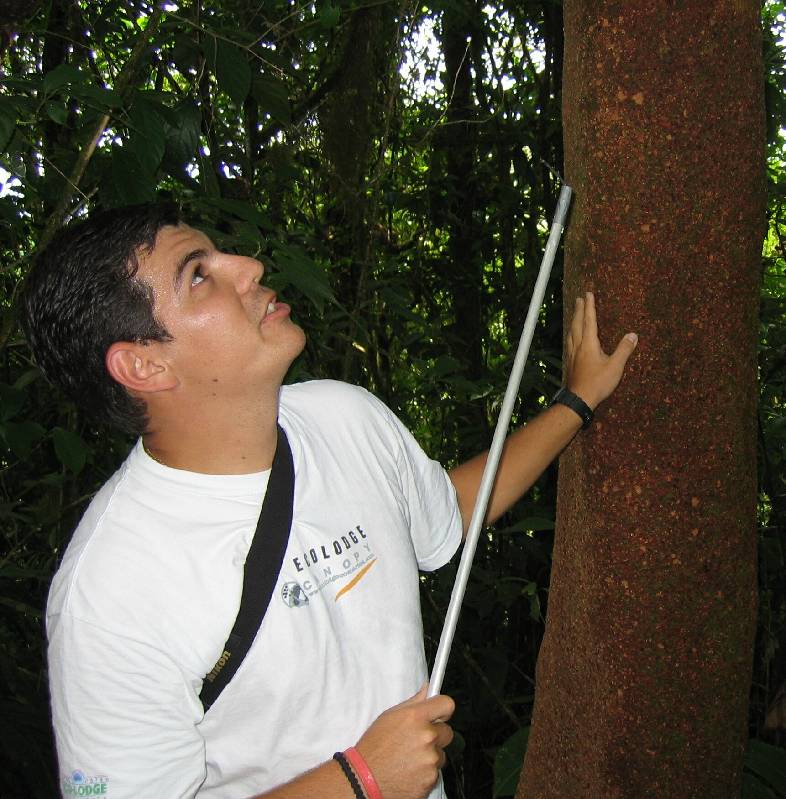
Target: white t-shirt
150,585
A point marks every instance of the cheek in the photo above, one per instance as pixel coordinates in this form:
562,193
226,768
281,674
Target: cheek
219,324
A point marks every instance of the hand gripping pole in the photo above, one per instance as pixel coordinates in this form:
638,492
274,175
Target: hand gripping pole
500,433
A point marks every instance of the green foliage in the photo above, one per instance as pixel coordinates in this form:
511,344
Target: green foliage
507,763
764,775
765,771
395,194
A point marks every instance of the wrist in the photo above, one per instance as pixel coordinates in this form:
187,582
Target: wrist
349,773
357,771
576,403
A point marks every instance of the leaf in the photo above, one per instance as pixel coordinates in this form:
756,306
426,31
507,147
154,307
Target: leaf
148,134
22,84
186,53
273,98
11,401
8,118
753,788
21,436
242,210
531,523
62,75
70,448
57,112
26,378
21,607
182,126
535,611
232,71
443,366
296,268
329,17
767,762
97,96
508,761
131,181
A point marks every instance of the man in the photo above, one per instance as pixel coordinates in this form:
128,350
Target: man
152,329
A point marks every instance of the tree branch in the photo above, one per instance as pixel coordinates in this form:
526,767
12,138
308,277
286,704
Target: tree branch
122,84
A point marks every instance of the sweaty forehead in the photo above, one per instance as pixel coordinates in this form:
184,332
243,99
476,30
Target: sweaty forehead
173,238
171,245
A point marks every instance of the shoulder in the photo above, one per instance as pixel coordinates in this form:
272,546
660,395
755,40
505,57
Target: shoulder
332,401
328,416
332,391
118,547
85,550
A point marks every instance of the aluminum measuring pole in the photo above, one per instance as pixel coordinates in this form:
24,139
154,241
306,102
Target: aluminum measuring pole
501,431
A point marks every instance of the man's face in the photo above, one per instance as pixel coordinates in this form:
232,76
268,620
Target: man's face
230,335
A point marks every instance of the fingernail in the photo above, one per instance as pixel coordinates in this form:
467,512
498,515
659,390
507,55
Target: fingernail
632,337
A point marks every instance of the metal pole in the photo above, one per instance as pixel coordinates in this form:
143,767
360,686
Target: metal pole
500,433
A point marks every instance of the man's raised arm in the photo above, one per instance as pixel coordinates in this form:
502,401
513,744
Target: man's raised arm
592,375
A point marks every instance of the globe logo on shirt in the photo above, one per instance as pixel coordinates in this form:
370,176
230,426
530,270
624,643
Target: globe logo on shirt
78,784
293,595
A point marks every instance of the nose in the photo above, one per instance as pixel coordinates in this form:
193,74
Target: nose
248,272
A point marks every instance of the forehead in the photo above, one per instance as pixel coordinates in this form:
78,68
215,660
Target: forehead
172,244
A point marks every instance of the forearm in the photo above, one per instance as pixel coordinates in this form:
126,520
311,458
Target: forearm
527,452
590,374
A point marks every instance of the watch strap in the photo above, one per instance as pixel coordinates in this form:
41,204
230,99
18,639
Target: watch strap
573,401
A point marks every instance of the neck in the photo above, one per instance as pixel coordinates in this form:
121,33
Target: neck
214,440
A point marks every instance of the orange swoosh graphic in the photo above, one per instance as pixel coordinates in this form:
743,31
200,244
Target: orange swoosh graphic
355,580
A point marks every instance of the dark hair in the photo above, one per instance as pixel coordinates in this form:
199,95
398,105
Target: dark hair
82,295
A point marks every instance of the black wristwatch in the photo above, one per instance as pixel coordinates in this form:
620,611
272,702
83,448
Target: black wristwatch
566,397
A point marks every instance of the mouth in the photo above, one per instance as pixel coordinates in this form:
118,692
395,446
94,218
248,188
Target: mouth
274,310
270,307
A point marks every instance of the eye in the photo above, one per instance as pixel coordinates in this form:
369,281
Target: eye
197,276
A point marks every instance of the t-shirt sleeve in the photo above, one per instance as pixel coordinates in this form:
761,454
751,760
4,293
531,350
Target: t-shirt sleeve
435,520
124,716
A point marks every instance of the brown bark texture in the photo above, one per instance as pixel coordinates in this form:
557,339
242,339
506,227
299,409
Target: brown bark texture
644,672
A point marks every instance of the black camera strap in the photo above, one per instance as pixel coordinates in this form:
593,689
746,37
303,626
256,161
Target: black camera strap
260,573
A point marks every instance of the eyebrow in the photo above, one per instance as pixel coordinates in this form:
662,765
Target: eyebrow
182,264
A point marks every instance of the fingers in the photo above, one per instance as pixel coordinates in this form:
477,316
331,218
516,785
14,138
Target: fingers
440,707
414,733
589,372
590,328
624,350
444,734
576,326
435,708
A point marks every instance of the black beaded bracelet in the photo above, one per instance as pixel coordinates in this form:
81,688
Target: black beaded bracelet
566,397
349,774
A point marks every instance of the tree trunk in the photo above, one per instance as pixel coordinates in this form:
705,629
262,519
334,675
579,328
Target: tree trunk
644,671
459,139
350,119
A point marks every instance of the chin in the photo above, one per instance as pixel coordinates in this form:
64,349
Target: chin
294,344
299,340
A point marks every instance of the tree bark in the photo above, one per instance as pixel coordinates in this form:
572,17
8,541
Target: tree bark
644,672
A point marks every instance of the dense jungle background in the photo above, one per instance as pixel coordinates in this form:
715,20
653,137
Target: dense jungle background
394,164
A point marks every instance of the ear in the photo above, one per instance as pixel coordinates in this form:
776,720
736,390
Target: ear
139,367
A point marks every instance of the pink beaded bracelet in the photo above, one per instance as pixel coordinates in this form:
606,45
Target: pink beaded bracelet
360,767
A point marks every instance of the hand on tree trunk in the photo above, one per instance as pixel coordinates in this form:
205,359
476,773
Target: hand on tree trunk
591,373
